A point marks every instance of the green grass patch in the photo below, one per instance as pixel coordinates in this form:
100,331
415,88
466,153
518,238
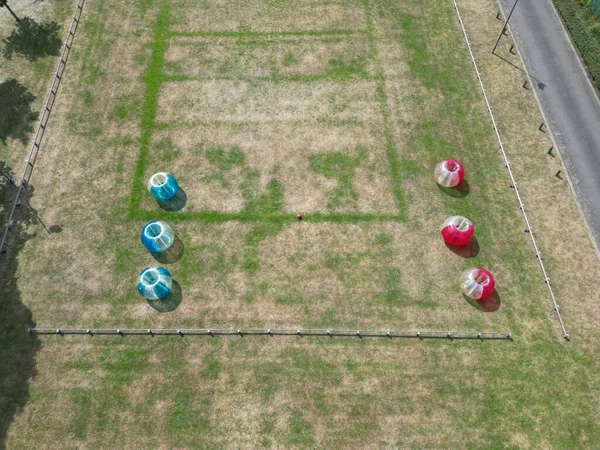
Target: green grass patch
152,79
265,34
340,167
301,433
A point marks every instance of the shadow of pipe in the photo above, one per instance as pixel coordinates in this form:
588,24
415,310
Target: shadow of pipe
540,84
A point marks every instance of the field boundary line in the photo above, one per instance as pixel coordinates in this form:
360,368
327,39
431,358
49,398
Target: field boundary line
300,78
391,150
512,178
300,332
152,79
43,122
249,217
265,34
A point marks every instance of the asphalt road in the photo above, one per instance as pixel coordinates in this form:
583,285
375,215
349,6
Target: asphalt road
567,100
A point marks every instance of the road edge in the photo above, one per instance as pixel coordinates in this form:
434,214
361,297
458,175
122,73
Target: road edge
590,233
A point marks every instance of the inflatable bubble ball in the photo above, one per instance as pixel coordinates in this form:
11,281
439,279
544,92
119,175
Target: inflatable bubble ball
477,283
157,236
163,186
154,283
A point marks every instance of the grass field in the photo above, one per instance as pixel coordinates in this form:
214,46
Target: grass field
338,110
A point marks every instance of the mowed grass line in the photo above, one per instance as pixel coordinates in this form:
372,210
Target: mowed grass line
153,80
260,34
249,216
222,123
382,97
331,76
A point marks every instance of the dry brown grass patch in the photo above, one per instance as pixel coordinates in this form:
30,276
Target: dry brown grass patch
269,16
276,151
240,101
287,56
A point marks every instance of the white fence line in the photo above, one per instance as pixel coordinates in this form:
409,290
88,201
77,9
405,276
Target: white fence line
308,332
212,332
41,128
512,178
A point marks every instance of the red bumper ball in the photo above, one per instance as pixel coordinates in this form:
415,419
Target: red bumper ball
477,283
449,173
457,230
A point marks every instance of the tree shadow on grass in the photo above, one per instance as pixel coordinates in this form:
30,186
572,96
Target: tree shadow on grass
18,349
15,111
33,40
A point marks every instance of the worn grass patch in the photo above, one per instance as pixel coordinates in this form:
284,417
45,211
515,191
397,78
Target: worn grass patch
240,101
267,16
254,154
250,57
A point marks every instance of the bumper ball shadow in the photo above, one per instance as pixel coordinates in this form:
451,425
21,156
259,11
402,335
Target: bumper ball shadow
490,304
471,250
170,302
461,190
176,203
170,255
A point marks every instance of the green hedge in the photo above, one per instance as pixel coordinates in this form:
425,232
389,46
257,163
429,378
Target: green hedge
596,7
584,30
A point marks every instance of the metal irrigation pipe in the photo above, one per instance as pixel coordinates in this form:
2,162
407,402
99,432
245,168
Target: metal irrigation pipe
41,128
510,173
212,332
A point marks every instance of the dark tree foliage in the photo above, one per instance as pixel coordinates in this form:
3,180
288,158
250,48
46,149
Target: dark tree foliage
33,40
18,349
596,7
15,111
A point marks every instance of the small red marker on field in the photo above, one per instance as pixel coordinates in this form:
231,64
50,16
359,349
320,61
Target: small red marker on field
299,216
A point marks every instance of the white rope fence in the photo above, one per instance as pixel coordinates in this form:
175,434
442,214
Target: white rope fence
41,128
512,178
299,332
